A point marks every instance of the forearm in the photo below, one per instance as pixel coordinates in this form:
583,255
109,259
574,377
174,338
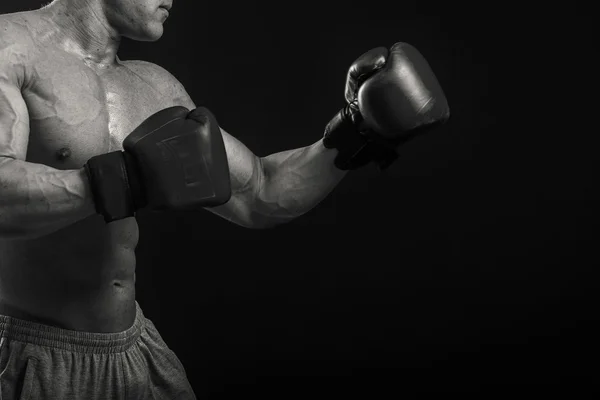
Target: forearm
295,181
36,200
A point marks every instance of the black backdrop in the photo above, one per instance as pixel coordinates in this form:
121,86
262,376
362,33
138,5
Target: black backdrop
466,266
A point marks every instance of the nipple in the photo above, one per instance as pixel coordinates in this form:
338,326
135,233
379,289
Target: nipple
63,153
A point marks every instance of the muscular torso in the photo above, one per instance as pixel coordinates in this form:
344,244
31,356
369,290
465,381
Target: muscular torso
81,277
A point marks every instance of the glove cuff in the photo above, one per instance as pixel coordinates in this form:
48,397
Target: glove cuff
113,184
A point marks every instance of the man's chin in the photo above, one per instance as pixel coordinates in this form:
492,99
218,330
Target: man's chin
148,39
148,36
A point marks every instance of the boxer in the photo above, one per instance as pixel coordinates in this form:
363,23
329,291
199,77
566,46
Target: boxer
87,140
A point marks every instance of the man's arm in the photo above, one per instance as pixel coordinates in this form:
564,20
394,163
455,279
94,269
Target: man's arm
272,190
35,200
295,181
266,191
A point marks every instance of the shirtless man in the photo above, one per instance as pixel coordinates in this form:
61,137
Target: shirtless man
69,323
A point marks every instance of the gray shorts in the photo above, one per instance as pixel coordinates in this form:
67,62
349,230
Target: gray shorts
44,362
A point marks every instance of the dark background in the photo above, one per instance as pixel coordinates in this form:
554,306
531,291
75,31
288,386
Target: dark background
467,266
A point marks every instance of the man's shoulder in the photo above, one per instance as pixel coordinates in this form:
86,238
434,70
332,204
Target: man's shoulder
22,33
158,77
19,27
17,43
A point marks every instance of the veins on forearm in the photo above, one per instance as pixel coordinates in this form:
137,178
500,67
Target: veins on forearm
32,190
287,195
295,181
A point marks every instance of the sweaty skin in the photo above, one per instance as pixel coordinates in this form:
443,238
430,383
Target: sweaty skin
58,108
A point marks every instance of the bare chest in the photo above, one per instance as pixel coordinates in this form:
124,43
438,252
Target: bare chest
77,111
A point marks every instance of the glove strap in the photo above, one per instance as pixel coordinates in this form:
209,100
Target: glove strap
114,185
357,147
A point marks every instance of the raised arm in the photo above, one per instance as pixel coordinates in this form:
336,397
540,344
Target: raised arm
275,189
35,199
266,191
391,96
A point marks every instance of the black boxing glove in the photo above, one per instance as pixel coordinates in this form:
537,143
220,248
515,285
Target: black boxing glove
175,159
391,96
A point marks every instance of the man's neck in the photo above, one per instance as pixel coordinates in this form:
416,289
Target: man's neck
85,31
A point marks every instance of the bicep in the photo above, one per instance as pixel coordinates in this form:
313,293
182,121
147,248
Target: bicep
14,120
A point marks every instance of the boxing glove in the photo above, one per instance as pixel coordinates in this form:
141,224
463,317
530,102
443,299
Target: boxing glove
175,159
392,96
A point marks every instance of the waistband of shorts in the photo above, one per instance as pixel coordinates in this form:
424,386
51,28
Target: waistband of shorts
15,329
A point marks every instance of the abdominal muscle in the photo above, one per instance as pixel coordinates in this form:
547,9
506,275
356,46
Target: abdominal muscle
79,278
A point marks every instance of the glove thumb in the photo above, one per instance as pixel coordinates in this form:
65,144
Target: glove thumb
364,66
